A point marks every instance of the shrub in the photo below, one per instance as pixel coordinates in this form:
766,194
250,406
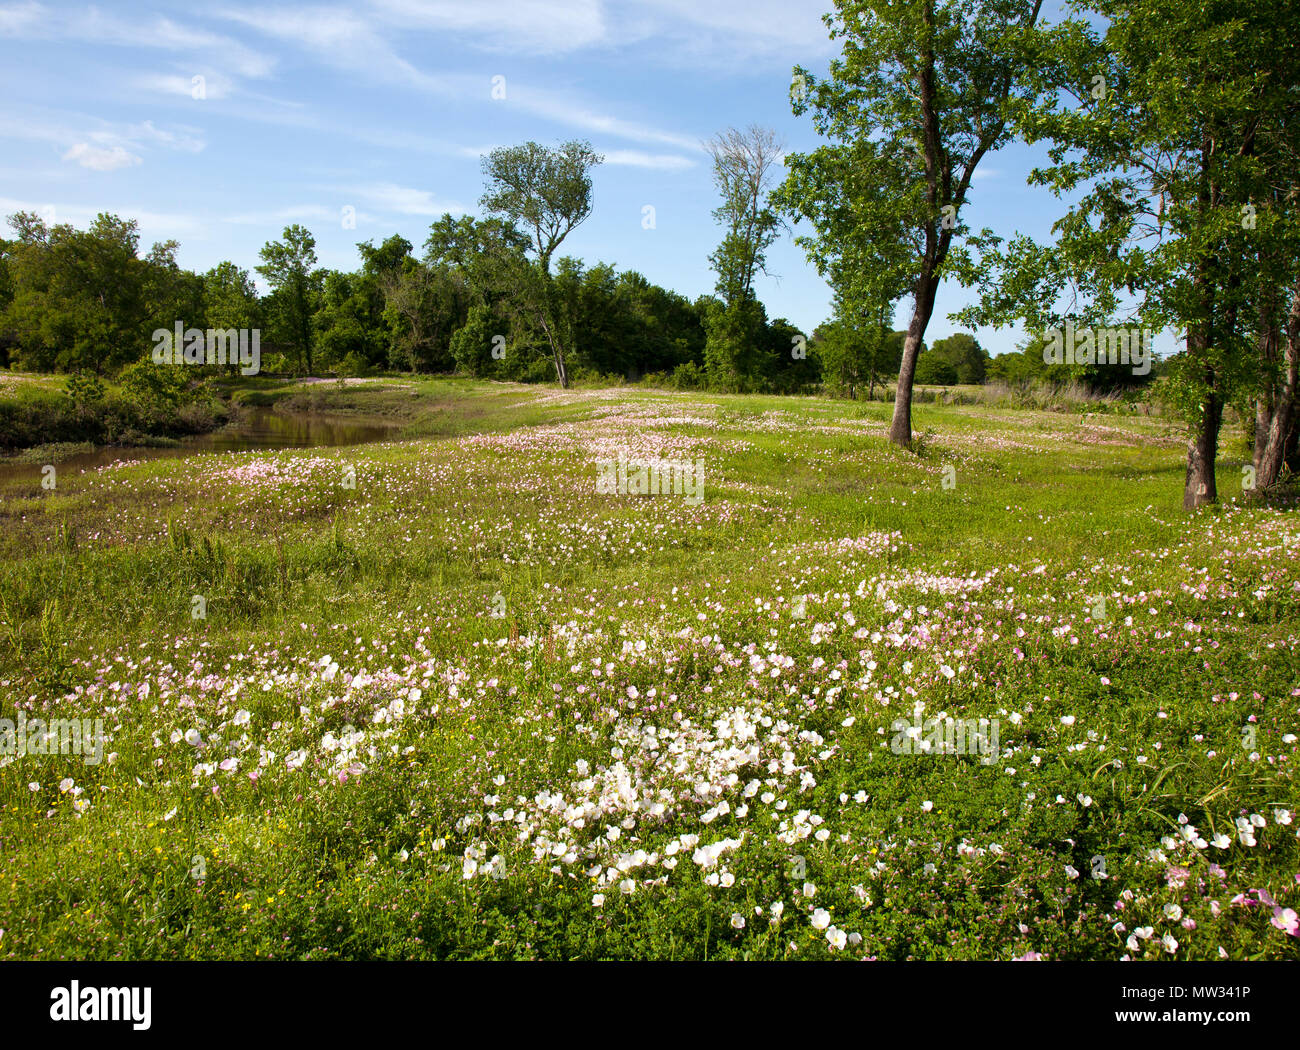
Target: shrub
935,371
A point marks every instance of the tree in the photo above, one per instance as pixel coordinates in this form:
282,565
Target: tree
289,266
919,95
84,299
548,193
931,369
964,353
744,165
229,297
1162,125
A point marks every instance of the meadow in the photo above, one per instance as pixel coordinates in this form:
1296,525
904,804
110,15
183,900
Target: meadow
438,697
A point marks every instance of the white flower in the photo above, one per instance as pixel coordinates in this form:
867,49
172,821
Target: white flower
837,938
241,717
1282,816
821,918
626,886
1173,912
598,899
927,805
193,738
1170,944
1071,872
1221,841
737,921
66,783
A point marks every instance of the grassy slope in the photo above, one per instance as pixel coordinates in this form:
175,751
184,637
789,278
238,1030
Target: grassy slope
528,737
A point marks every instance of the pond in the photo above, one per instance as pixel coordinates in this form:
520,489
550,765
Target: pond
258,428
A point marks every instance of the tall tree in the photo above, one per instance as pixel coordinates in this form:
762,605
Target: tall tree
744,168
547,192
289,266
1158,119
926,81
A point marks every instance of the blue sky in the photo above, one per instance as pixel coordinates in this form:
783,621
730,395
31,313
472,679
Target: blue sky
385,108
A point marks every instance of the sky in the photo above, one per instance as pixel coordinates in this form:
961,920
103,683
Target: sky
219,124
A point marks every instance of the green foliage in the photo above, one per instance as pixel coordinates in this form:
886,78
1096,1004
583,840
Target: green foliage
472,343
289,266
731,350
84,390
157,390
548,193
963,352
934,370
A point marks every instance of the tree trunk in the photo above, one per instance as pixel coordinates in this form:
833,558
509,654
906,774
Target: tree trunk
1199,487
1271,452
900,430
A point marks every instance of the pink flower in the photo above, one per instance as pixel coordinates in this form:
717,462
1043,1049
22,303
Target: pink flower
1286,920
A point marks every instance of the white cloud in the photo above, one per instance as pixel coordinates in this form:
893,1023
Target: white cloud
185,140
17,19
576,114
91,25
340,39
99,159
637,159
290,214
538,26
215,85
732,33
95,143
343,40
388,198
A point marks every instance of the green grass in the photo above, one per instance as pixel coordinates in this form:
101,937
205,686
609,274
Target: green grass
748,650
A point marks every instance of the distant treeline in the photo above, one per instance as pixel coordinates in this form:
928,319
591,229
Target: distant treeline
87,301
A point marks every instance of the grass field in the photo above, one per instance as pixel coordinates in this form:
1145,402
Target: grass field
448,700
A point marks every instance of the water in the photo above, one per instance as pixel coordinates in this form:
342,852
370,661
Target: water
258,428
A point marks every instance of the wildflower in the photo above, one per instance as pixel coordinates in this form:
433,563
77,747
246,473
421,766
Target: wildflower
1286,920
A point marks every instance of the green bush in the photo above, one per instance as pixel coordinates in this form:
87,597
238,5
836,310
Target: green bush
935,371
